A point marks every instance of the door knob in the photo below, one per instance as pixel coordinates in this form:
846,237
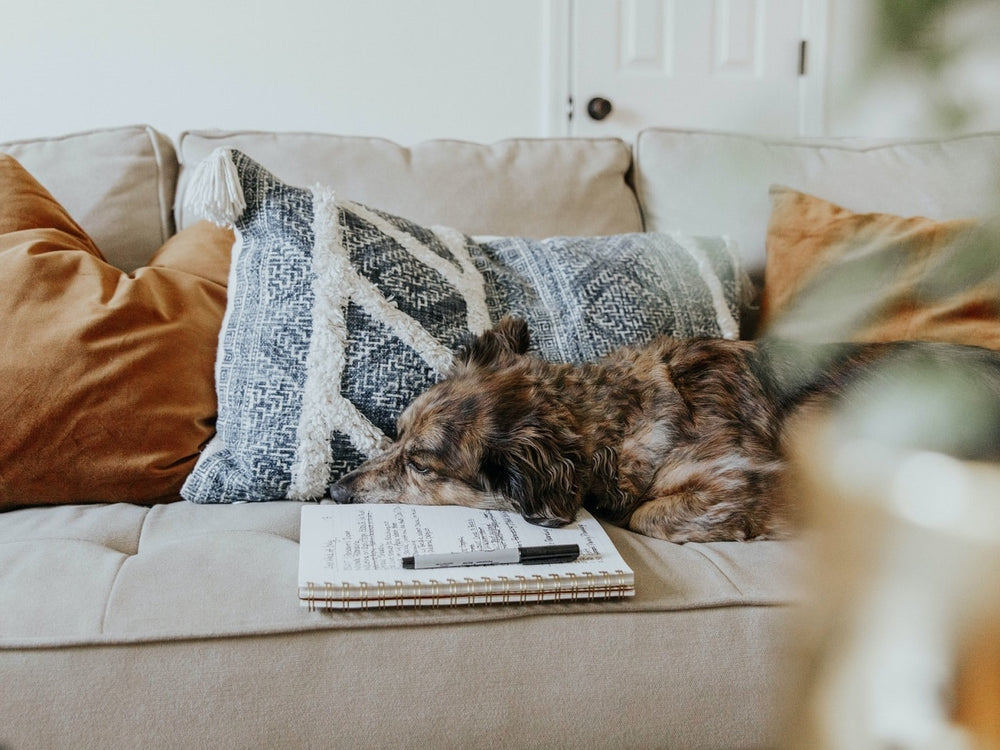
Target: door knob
598,108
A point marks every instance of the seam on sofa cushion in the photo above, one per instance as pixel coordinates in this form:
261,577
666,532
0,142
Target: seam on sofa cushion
111,593
703,551
165,197
421,618
858,144
125,558
141,532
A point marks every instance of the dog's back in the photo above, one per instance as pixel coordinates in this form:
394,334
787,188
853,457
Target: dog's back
684,440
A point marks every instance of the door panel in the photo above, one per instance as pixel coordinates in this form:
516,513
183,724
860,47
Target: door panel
714,64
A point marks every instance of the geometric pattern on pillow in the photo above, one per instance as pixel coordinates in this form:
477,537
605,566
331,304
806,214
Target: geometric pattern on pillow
339,315
585,296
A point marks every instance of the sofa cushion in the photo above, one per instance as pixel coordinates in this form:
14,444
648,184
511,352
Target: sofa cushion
717,183
188,617
134,574
525,187
833,274
109,375
117,183
339,315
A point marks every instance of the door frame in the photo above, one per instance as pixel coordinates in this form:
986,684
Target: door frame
557,33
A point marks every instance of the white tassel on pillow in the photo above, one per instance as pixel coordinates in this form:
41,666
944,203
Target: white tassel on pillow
214,191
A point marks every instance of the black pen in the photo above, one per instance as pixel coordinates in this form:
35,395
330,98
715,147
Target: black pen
550,553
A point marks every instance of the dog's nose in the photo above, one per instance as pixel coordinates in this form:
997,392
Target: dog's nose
341,494
548,521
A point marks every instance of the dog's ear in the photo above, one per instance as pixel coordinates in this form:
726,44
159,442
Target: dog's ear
497,346
537,469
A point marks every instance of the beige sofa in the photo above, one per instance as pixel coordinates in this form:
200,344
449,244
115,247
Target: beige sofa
177,625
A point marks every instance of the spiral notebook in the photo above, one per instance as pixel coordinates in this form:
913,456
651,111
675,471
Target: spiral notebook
350,557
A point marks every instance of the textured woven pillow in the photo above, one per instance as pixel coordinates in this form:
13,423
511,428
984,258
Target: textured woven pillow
585,296
105,377
339,315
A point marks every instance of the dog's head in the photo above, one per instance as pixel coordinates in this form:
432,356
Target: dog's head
494,434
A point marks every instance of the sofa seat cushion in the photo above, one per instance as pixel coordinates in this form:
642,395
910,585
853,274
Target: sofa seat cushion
182,622
123,573
117,183
525,187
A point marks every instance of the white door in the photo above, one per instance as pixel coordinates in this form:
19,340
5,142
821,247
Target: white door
736,65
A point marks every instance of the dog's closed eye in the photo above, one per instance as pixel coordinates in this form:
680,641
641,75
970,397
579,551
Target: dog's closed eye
418,464
415,465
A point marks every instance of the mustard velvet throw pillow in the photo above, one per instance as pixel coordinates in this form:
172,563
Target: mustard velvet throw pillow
833,274
106,387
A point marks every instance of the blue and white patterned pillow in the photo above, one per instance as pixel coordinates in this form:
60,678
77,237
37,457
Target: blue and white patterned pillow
582,297
339,315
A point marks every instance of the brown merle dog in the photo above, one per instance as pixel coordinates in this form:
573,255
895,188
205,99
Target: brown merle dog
680,440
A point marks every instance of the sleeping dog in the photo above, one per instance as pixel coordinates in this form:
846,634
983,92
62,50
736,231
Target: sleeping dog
680,440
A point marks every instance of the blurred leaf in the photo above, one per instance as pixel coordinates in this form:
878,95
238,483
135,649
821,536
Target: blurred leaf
974,258
910,28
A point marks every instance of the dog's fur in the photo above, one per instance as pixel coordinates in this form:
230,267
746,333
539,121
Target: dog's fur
680,440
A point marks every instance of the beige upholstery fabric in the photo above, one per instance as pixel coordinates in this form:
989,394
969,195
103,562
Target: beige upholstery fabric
524,187
706,679
178,625
133,574
714,183
118,184
182,622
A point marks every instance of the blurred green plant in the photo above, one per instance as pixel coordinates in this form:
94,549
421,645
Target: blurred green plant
905,515
909,29
923,42
928,40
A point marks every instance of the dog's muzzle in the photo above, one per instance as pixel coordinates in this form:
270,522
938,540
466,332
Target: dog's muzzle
341,494
548,521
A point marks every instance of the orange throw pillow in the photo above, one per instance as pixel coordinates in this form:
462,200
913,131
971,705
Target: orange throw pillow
832,274
106,378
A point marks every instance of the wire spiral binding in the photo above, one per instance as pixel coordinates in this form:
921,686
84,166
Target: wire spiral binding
501,589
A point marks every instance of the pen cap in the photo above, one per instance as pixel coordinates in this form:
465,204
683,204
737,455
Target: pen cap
550,550
549,553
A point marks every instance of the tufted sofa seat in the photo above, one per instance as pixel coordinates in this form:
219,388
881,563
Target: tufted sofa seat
179,617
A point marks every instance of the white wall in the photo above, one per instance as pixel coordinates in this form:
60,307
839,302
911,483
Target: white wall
407,70
403,69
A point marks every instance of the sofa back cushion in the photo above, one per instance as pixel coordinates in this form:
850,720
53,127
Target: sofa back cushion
117,183
715,183
525,187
